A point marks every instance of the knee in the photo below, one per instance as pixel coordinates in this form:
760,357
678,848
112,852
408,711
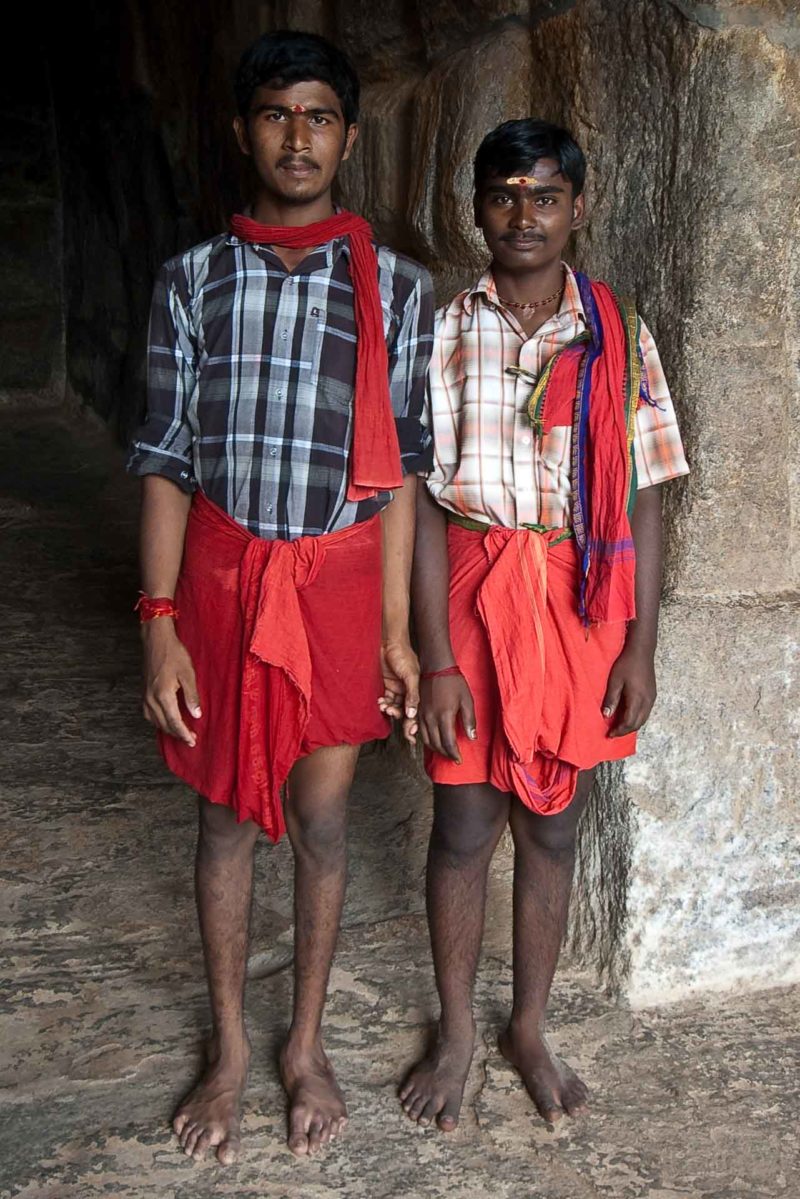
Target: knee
319,836
553,835
462,834
221,834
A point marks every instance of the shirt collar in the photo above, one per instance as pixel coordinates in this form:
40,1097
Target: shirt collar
331,250
571,305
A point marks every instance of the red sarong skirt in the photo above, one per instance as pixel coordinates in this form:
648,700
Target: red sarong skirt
285,637
537,675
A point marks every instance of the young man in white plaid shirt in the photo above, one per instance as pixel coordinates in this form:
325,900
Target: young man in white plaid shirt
536,590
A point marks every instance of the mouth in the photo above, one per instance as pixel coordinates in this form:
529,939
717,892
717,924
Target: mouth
523,243
298,169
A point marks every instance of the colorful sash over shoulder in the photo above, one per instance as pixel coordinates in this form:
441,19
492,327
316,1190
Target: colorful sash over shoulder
375,456
594,383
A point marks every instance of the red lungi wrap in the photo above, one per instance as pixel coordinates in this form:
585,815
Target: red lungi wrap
285,637
537,675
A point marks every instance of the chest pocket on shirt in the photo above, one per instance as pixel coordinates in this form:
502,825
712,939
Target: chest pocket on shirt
335,358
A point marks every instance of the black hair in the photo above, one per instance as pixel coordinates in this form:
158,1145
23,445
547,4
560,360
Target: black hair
290,56
515,146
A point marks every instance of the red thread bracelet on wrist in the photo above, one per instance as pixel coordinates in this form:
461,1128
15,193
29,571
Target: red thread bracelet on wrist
150,607
440,674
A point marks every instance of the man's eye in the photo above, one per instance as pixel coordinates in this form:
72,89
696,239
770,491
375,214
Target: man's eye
319,120
546,200
503,200
275,116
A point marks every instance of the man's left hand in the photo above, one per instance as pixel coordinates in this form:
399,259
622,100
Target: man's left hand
400,698
631,691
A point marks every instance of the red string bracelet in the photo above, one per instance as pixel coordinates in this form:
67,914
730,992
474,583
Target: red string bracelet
150,607
440,674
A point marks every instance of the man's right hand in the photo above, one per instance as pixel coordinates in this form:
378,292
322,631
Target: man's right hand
168,670
443,702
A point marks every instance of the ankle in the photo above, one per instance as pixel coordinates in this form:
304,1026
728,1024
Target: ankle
457,1026
304,1043
526,1026
230,1045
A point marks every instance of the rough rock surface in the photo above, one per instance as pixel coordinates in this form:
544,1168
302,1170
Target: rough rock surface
689,114
102,992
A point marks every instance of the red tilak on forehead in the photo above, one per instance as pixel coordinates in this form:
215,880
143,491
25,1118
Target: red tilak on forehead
299,108
524,180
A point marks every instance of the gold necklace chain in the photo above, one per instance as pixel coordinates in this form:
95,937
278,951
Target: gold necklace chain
533,304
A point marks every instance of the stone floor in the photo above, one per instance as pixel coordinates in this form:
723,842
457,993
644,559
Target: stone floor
102,994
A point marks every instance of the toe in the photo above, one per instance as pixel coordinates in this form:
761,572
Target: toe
201,1145
448,1116
228,1151
576,1100
315,1137
192,1139
428,1112
416,1109
186,1132
547,1105
409,1101
179,1123
299,1122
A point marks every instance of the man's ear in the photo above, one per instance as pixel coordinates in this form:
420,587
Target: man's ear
350,137
242,136
578,212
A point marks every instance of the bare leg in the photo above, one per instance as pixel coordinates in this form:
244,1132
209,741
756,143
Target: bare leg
316,820
467,825
209,1115
544,858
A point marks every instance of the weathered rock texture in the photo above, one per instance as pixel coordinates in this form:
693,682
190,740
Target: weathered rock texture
689,115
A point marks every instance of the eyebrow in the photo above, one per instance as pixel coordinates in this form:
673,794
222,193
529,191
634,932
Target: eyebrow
287,110
541,190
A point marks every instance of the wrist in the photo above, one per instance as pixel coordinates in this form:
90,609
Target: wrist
640,641
399,636
162,628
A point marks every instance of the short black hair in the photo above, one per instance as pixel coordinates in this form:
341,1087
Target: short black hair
290,56
515,146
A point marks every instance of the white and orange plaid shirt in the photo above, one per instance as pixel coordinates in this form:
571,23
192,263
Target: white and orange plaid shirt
488,464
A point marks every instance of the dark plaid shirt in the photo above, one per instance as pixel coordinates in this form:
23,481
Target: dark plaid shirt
251,375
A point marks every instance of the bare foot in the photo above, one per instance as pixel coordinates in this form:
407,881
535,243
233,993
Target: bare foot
435,1087
209,1116
317,1112
554,1088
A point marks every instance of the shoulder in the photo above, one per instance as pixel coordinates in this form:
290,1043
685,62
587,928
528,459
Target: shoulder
450,316
408,276
187,271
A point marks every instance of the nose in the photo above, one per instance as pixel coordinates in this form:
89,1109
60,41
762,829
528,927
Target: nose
524,214
296,134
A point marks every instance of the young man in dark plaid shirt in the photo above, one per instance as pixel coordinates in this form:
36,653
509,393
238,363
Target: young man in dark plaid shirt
279,460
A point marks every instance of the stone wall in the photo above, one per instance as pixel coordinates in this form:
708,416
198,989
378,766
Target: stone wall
689,116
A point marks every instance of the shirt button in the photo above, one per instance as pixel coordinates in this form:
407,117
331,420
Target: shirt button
269,507
184,474
526,439
273,452
284,335
278,395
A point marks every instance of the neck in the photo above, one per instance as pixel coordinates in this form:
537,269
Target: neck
522,286
272,210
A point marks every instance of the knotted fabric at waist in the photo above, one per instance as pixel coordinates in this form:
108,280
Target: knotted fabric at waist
264,580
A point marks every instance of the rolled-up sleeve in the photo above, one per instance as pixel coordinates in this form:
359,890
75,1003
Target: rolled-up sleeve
657,441
408,369
163,443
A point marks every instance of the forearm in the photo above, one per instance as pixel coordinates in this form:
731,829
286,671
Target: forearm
398,519
164,514
430,585
647,539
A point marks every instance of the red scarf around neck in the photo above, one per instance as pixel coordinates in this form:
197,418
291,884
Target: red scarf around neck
375,456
